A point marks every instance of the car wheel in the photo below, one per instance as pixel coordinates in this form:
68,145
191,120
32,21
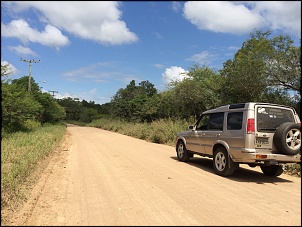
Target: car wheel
272,171
287,138
182,154
222,163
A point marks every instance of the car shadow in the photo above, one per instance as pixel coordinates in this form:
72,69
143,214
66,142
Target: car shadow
240,175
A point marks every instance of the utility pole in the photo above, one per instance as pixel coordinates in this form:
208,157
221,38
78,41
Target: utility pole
29,76
53,93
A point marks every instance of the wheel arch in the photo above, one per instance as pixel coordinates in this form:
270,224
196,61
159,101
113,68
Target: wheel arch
223,144
181,139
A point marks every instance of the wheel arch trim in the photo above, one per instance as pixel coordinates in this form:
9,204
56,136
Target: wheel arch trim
221,143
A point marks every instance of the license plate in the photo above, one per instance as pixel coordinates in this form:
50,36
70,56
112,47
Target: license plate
261,141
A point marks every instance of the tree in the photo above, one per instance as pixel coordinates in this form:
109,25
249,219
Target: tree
261,66
244,78
130,103
72,108
88,114
283,68
17,104
52,111
196,92
147,88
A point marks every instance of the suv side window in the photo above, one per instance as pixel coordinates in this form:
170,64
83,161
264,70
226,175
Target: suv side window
234,121
212,121
216,121
202,124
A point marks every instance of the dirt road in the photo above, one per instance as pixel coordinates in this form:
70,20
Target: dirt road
105,178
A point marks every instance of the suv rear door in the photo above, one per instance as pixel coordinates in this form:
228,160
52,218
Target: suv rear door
267,120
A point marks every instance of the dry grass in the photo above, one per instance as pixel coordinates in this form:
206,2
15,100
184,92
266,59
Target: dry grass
21,155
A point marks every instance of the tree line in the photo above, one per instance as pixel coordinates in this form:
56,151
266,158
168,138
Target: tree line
263,70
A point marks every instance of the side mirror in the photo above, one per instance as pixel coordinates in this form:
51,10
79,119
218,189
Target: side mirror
191,127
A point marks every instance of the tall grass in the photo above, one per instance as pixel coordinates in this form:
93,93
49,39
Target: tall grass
21,153
161,131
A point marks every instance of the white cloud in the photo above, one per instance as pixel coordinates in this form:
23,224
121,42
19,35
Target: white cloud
233,48
243,17
203,58
221,16
281,15
174,73
92,20
158,35
101,72
66,95
51,36
93,91
176,7
20,50
159,66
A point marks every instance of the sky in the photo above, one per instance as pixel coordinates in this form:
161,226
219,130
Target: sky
90,49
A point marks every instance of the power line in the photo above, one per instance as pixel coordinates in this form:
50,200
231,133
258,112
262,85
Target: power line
29,76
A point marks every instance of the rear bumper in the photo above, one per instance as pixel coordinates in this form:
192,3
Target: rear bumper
264,158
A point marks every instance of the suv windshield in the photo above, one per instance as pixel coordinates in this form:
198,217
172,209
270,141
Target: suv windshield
269,118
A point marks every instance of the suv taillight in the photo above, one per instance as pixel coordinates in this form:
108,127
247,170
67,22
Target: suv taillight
250,129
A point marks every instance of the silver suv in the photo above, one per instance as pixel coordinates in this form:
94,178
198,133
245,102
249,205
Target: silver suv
258,134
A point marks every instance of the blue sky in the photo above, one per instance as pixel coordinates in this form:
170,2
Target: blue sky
89,50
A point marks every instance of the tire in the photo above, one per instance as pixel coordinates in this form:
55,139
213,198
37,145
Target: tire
182,154
222,162
272,171
287,138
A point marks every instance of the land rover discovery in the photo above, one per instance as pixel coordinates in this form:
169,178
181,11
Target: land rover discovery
257,134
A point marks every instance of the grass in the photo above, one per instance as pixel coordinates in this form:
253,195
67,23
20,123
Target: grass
21,154
161,131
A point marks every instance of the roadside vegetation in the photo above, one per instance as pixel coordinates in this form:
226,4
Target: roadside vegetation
160,131
264,69
22,153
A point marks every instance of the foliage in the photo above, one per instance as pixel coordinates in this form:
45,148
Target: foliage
72,108
129,103
21,154
244,78
82,110
52,111
19,105
197,92
262,67
88,114
283,68
159,131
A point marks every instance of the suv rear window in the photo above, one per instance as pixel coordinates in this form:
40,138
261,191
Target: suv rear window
270,118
